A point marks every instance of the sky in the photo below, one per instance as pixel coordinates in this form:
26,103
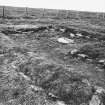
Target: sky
79,5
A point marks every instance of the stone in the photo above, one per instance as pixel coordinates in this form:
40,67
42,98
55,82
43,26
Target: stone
24,76
79,35
86,82
95,100
62,30
36,88
65,40
101,61
82,55
72,35
74,51
60,103
83,104
99,90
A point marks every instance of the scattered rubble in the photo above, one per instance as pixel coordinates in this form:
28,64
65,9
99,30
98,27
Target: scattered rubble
36,88
99,90
95,100
53,97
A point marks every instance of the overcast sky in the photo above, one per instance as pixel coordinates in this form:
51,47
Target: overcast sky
81,5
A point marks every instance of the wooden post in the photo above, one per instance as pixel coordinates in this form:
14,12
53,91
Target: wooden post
67,12
97,15
3,12
103,15
78,15
57,13
26,11
43,12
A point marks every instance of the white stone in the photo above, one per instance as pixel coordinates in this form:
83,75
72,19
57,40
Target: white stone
87,37
36,88
101,61
82,55
74,51
60,103
51,94
72,35
79,34
52,30
65,40
62,30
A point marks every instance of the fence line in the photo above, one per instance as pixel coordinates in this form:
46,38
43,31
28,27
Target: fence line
98,15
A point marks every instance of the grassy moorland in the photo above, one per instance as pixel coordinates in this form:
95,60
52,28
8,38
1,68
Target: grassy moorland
38,69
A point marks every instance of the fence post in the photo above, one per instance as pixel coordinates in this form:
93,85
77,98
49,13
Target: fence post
26,11
103,15
3,12
97,15
56,13
78,16
43,12
67,13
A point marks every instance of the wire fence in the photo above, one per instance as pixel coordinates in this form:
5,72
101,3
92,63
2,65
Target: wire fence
67,14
